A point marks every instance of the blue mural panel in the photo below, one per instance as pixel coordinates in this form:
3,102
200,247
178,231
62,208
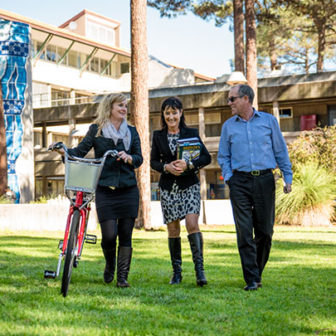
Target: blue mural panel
14,52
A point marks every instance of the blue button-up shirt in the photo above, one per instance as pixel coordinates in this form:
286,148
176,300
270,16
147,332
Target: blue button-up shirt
256,144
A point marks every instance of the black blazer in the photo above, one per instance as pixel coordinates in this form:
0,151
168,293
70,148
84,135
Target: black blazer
115,173
161,154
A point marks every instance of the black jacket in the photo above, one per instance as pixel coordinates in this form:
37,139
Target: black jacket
161,154
115,173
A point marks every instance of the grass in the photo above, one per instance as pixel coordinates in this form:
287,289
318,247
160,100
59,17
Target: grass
298,297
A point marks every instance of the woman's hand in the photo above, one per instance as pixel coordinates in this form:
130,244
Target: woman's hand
174,169
125,157
58,150
181,164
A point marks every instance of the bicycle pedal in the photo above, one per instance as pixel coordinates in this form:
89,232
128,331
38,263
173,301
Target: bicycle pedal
60,244
91,239
49,274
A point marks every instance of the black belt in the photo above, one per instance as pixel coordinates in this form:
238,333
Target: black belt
253,172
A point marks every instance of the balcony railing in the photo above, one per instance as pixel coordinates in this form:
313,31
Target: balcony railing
41,100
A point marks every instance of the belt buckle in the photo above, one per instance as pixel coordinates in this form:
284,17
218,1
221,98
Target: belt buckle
255,172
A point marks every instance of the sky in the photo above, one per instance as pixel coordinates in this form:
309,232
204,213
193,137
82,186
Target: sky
186,41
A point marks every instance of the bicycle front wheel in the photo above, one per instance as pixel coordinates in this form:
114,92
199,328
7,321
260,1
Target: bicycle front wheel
70,252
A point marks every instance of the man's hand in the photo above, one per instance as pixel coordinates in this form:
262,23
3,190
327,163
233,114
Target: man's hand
287,188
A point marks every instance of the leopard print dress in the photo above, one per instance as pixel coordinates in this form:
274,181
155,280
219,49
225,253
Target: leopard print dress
178,203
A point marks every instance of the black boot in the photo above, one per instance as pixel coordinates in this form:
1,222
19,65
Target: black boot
123,265
176,260
110,258
196,246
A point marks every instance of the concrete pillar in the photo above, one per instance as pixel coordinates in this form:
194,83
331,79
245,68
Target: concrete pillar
73,97
201,123
44,135
48,102
49,139
276,111
201,127
72,129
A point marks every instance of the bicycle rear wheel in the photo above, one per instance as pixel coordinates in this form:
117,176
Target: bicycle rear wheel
70,252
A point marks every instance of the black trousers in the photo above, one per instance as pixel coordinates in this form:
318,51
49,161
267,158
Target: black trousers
253,205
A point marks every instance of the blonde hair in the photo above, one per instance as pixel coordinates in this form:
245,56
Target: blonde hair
104,109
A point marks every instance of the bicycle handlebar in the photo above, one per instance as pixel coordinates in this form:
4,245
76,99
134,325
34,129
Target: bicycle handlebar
60,145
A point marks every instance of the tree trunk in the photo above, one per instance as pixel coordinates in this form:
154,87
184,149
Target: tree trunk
273,55
251,49
238,20
139,102
3,148
321,45
307,61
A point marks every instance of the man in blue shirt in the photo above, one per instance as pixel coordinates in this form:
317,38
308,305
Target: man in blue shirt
251,145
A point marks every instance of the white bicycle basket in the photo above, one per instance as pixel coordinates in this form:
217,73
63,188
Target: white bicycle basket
82,176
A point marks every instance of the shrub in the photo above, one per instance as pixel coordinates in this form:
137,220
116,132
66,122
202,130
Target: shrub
318,145
312,198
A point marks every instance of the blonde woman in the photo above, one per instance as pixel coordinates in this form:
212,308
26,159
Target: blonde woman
117,194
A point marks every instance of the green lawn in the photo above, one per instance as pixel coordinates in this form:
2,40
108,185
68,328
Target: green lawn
298,296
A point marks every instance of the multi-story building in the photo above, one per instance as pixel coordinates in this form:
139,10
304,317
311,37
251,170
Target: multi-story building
64,65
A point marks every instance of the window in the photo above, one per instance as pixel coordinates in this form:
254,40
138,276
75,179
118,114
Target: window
59,54
73,59
38,47
51,53
100,33
103,64
124,68
286,112
59,97
94,64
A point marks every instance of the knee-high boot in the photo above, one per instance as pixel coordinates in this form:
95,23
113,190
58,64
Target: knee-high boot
123,265
176,260
110,259
196,246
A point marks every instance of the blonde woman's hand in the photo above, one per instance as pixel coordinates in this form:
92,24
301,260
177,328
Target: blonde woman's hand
125,157
58,150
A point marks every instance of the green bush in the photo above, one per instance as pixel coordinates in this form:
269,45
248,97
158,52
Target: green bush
312,198
318,145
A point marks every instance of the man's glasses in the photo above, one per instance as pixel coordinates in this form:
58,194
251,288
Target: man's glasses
232,99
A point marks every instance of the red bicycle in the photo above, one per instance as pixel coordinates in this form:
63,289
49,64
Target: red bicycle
81,179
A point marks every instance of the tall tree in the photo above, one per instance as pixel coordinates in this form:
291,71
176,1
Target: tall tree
238,23
3,148
139,101
251,48
322,13
221,11
275,26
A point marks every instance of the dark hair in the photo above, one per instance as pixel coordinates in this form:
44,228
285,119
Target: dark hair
246,90
176,104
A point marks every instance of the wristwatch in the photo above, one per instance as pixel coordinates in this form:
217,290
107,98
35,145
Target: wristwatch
190,165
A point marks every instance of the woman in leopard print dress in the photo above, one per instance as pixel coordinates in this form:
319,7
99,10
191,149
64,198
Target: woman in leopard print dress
179,186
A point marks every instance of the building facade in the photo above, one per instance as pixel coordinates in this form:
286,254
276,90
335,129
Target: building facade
300,102
44,66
